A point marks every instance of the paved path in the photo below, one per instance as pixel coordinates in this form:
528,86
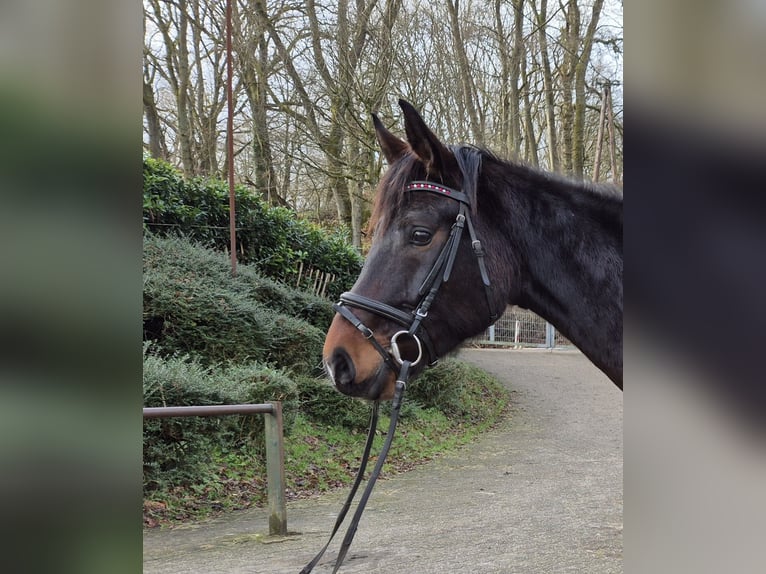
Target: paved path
541,493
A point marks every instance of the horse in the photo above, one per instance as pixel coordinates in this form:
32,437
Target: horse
535,240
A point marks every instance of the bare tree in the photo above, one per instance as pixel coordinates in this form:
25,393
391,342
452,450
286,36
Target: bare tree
524,77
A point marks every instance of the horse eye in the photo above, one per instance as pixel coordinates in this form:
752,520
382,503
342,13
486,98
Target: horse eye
421,237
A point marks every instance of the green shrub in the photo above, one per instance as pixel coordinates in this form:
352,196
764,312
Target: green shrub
458,389
186,255
177,450
255,383
325,405
315,310
193,306
271,238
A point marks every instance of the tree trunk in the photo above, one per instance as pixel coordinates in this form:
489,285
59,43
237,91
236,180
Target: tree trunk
517,53
529,127
453,7
506,110
185,138
157,147
253,58
550,110
581,67
206,108
571,43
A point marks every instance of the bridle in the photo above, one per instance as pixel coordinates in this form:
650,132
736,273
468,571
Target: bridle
438,275
412,322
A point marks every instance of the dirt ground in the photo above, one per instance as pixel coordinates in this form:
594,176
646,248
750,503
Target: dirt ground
540,493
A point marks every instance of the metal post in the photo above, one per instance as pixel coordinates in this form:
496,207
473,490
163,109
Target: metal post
492,333
230,142
275,472
550,336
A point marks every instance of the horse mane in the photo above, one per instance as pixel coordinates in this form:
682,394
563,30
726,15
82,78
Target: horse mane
390,197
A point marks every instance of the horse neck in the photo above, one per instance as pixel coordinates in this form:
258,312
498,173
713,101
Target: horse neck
566,243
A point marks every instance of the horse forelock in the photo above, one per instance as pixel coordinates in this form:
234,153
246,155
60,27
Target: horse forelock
390,196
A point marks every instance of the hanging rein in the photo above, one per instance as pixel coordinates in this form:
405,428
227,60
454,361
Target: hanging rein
412,322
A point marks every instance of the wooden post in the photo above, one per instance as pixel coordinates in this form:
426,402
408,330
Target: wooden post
275,472
300,272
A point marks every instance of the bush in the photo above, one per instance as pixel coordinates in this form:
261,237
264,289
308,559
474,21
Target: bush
193,306
255,383
315,310
177,450
323,404
271,238
460,390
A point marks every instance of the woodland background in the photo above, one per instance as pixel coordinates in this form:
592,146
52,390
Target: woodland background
528,79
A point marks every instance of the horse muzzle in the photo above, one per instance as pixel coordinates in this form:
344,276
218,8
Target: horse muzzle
355,367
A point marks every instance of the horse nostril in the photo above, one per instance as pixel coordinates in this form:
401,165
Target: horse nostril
341,367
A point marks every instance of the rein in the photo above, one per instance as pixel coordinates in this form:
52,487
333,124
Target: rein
414,329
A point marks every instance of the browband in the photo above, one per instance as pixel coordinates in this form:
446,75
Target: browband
438,189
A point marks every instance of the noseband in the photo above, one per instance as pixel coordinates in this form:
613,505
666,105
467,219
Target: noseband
414,329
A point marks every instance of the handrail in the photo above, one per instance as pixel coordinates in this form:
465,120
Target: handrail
207,410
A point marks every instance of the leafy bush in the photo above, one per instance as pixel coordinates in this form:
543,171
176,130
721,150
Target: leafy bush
315,310
271,238
323,404
192,305
177,450
458,389
255,383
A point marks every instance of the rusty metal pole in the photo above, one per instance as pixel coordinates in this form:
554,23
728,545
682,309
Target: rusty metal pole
230,143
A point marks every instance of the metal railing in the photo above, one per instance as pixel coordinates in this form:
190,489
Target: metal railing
275,451
521,328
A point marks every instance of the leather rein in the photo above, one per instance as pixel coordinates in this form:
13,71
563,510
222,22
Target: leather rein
412,322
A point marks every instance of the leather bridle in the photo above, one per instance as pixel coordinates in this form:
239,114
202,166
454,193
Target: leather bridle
438,275
412,322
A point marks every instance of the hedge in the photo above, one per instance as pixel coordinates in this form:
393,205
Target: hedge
271,238
193,306
176,450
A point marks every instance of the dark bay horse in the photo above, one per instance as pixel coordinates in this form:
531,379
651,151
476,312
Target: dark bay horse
460,234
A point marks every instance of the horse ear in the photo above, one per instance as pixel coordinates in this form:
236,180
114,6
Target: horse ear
438,159
392,147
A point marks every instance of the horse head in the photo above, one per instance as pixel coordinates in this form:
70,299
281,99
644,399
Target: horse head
421,291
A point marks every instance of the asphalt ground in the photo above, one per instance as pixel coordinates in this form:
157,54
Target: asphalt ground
539,493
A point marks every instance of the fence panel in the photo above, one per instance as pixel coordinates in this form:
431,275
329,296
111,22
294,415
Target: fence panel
521,328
